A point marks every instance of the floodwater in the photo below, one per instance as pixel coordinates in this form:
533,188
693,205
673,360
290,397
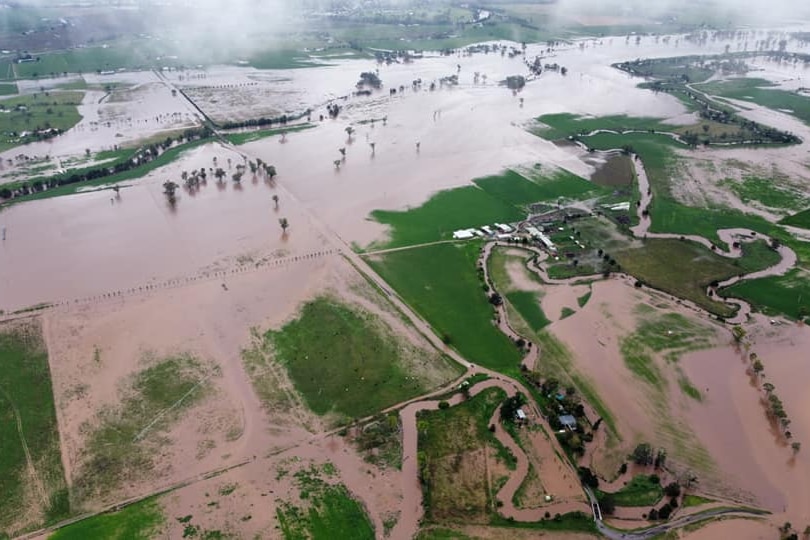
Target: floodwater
91,244
68,248
733,425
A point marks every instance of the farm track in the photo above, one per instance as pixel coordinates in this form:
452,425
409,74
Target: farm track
32,470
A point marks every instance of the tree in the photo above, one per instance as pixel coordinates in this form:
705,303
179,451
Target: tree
587,477
757,367
275,201
768,387
342,151
219,174
337,164
796,446
284,224
510,407
643,454
373,147
271,171
739,333
672,490
607,504
349,131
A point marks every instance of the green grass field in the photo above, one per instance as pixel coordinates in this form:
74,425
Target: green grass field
770,192
446,438
788,294
761,92
528,305
802,220
445,212
28,424
564,125
640,491
441,283
328,510
652,264
346,361
8,89
119,448
500,198
139,521
35,112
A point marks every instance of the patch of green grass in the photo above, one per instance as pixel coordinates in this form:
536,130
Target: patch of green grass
688,388
764,93
441,283
788,294
527,304
652,264
640,491
444,213
124,438
672,333
448,439
802,219
572,521
566,312
281,59
329,512
641,363
8,89
245,137
563,125
35,112
500,198
28,419
141,520
380,441
695,500
345,361
770,192
583,300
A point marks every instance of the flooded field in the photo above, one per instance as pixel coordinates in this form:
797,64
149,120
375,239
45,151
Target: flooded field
125,277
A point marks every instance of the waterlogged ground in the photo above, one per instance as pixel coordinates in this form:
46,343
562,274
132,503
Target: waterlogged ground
132,273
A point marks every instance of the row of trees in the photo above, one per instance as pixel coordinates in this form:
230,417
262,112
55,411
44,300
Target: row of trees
775,409
140,157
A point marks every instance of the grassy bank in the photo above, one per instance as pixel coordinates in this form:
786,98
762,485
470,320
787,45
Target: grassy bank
346,361
441,283
802,219
28,428
135,522
640,491
244,137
